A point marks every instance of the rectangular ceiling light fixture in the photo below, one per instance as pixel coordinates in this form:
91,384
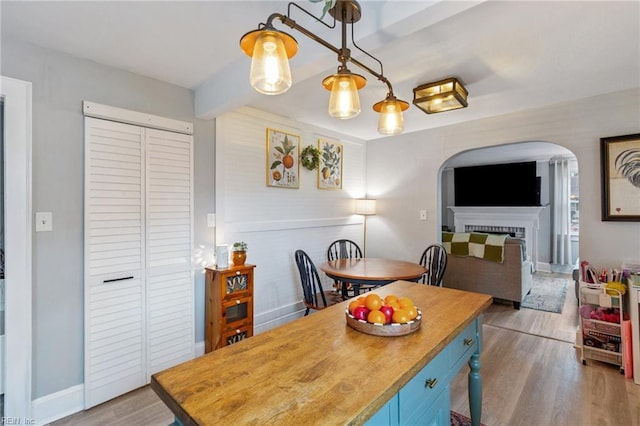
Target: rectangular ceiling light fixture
439,96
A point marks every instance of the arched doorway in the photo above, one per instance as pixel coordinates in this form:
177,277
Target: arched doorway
557,168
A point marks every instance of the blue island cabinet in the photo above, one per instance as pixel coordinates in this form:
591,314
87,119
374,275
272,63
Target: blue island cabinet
301,386
426,398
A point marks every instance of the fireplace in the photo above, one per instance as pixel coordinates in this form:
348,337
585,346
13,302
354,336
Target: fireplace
521,222
513,231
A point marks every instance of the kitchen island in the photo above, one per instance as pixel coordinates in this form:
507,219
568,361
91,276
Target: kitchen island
317,370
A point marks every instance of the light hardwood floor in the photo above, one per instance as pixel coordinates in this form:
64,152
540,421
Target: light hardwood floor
532,375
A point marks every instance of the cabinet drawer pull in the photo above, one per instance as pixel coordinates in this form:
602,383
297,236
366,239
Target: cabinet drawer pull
431,383
468,342
117,279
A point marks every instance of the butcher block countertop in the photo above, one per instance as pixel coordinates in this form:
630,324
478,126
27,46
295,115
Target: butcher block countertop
316,369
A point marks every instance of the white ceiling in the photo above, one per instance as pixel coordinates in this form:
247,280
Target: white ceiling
511,55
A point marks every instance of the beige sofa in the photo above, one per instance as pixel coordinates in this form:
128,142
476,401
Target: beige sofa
510,280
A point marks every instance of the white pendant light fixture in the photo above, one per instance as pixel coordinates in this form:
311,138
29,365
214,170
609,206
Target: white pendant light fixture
390,121
344,101
270,51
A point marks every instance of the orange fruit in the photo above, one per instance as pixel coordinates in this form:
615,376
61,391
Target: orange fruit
376,316
405,302
395,305
400,316
412,312
354,304
372,301
390,298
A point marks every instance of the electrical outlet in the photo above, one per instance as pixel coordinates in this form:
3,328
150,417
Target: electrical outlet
44,221
423,215
211,220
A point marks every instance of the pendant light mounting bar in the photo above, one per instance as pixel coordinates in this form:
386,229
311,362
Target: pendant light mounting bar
270,50
285,20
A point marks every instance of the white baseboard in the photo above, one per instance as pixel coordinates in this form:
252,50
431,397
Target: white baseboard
55,406
543,266
275,317
199,349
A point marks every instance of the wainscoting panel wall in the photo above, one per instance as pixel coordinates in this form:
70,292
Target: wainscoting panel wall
277,221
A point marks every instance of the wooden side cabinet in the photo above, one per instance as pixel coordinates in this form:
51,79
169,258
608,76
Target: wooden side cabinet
229,306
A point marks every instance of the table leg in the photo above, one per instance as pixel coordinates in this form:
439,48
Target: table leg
475,389
343,289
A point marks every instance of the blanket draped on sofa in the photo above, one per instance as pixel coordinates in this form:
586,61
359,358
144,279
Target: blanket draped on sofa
482,246
507,280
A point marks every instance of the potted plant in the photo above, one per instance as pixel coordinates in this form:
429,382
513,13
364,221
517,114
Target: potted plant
239,253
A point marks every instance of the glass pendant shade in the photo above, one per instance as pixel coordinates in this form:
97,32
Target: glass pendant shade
344,101
270,73
391,120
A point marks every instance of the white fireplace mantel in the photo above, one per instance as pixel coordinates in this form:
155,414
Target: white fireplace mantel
521,217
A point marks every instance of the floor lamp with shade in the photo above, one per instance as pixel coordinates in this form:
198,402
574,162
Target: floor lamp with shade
365,207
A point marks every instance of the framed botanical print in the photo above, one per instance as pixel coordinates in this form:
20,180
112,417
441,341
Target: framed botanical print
283,164
620,165
330,168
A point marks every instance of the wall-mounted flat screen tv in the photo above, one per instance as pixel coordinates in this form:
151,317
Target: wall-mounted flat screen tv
509,184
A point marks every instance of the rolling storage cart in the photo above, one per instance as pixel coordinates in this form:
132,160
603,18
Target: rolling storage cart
601,316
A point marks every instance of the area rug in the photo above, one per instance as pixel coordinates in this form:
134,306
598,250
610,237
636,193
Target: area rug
458,419
547,294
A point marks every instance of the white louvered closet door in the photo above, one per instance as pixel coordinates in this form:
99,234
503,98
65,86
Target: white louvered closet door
139,294
114,263
169,242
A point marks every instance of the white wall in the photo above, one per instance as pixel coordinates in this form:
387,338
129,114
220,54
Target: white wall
275,222
403,172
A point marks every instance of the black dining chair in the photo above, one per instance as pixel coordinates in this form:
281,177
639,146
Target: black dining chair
434,258
345,249
314,296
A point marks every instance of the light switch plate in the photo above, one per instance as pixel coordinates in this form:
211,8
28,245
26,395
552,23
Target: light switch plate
423,215
211,220
44,221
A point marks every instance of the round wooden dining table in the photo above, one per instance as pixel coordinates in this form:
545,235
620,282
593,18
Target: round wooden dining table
371,271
